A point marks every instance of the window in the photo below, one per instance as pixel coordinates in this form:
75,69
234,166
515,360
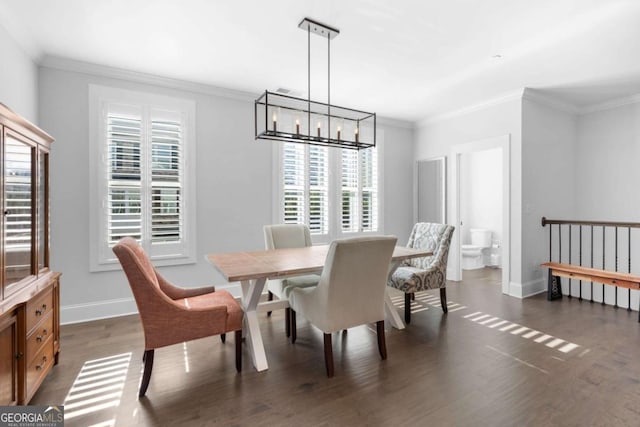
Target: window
305,186
359,187
141,146
334,191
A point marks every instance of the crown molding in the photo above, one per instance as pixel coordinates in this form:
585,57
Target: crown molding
501,99
611,104
72,65
67,64
398,123
548,101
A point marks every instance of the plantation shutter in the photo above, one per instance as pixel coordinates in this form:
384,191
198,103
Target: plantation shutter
305,175
145,186
334,191
369,185
318,190
124,193
166,179
293,165
349,190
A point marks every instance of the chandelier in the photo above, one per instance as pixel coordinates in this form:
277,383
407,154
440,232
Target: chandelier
282,117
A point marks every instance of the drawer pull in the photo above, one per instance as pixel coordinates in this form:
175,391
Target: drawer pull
39,338
38,312
44,361
44,307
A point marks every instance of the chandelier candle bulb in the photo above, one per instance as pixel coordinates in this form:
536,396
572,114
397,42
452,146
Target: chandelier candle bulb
355,132
339,132
297,127
275,122
319,127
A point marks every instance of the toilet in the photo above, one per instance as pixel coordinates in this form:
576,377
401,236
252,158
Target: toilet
472,257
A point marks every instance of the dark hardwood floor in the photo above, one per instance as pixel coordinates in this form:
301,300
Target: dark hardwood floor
492,361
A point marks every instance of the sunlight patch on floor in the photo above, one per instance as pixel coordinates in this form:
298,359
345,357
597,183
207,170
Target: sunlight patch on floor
98,386
422,302
501,325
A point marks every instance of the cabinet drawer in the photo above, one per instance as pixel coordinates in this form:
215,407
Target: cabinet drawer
38,308
39,366
39,336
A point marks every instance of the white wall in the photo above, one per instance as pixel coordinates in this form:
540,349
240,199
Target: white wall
481,193
607,177
233,173
18,78
398,160
607,160
436,138
549,144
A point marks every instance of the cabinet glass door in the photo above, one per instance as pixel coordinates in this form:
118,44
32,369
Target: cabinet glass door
43,211
18,210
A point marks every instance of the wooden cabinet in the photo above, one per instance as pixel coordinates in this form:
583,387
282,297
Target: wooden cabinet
29,290
8,360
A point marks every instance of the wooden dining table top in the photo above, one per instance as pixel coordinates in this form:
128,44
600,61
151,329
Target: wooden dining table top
274,263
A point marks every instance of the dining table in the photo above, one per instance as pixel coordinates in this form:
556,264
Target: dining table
253,268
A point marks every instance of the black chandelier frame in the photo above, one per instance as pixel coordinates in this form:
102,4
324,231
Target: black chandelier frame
282,117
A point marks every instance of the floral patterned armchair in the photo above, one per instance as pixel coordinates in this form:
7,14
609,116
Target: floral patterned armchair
419,274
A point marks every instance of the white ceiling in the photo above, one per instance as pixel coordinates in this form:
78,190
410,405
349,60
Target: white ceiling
405,59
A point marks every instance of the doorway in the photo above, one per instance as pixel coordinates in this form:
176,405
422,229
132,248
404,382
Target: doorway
430,184
468,161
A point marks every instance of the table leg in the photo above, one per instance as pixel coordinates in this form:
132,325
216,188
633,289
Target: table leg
390,310
251,291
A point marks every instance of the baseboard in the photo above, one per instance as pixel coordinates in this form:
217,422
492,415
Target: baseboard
524,290
78,313
451,275
235,289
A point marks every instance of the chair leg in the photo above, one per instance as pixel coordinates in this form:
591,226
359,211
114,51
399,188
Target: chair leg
382,345
146,376
294,334
238,340
223,338
270,299
287,321
328,355
443,299
407,308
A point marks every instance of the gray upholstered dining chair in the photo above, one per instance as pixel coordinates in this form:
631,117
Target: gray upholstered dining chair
284,236
419,274
351,291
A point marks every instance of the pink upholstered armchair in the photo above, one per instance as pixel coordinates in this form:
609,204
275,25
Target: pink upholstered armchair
172,315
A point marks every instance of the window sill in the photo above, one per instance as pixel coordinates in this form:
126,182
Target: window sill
113,264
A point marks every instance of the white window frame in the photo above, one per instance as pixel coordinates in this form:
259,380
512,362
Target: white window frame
102,257
335,192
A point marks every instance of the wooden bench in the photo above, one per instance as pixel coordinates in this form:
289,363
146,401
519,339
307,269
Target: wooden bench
587,274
